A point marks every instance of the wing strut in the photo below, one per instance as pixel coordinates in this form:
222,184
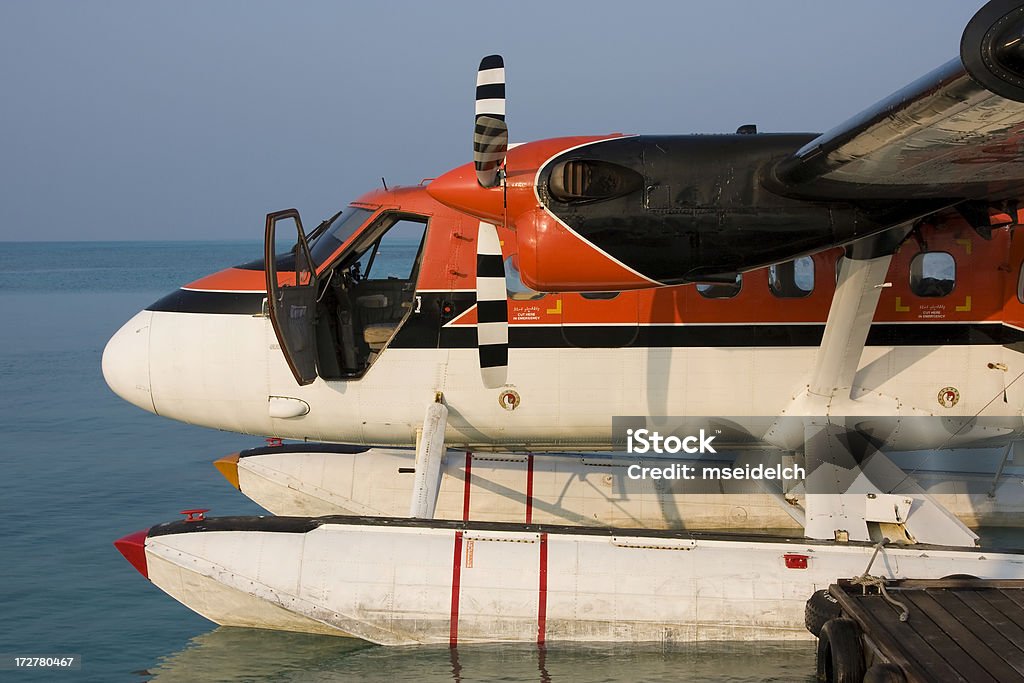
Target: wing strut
852,490
861,279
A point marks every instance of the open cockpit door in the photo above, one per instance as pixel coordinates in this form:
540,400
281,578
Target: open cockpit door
291,296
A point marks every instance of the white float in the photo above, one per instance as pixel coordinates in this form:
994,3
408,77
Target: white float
399,581
583,489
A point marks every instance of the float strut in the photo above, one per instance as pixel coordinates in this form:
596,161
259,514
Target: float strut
429,453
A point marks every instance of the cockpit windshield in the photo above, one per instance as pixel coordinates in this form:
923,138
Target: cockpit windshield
345,224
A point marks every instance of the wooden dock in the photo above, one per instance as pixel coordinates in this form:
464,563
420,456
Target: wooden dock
955,629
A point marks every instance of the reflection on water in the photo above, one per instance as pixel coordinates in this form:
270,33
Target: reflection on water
242,654
232,654
1001,538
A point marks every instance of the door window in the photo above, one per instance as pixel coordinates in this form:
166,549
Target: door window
291,297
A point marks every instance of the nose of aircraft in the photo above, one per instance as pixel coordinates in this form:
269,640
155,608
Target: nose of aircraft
126,362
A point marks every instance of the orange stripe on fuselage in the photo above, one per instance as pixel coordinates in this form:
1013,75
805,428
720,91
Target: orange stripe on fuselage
985,287
237,280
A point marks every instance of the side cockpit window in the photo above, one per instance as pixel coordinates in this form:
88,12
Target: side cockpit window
393,255
932,274
368,294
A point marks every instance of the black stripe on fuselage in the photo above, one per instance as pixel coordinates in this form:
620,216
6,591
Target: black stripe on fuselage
413,335
201,301
737,336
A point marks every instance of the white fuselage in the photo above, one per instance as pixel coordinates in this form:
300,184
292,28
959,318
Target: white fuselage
220,370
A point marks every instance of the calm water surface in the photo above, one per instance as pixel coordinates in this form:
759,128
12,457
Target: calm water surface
82,468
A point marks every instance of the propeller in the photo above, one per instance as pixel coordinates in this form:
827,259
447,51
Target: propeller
490,138
491,308
490,144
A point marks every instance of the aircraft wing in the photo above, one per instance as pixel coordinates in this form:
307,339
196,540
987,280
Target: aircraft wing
956,132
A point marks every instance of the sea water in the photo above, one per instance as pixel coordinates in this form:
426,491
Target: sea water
80,468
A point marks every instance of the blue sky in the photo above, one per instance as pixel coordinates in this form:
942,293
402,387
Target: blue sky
192,120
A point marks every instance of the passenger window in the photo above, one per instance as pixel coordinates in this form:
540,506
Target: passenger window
514,286
721,291
792,279
932,274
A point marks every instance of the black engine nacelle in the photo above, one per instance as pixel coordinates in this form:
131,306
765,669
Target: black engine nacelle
992,48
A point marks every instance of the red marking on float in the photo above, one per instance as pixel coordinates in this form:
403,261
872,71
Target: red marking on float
795,561
453,632
133,547
274,441
542,591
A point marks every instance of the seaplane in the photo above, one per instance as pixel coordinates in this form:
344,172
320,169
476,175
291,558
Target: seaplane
458,365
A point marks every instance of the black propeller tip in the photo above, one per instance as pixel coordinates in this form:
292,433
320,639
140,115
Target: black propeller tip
492,62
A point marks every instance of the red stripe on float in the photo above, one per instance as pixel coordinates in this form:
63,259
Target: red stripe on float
529,489
465,489
453,633
542,591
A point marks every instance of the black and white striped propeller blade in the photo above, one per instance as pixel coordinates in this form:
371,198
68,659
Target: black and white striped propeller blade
490,137
491,308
